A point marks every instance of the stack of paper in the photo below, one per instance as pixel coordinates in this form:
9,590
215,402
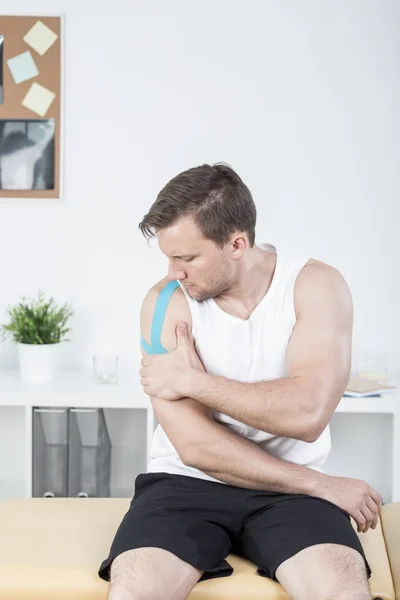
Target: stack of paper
358,387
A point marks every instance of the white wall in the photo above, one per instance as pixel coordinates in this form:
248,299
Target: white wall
302,98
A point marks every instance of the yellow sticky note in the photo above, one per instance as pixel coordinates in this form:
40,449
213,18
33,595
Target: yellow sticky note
40,37
38,99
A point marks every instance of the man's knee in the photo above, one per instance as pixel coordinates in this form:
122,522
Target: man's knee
122,587
126,581
325,572
151,574
119,591
350,574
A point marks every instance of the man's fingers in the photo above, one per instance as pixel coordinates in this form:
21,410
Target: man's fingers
360,520
374,522
375,510
377,498
144,362
182,333
369,518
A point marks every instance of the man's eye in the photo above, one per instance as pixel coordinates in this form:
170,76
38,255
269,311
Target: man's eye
189,259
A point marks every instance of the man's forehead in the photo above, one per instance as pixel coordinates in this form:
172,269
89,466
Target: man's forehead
187,249
181,243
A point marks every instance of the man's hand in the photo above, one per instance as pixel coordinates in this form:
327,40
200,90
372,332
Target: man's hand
167,376
356,497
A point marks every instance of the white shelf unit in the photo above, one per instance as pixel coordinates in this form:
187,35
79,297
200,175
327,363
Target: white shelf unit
365,431
128,413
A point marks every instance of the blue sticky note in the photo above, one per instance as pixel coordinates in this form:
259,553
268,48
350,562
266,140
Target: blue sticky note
22,67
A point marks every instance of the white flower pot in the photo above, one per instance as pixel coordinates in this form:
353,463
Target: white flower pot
39,363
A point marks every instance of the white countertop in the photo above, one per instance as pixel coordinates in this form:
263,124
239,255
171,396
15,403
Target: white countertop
74,387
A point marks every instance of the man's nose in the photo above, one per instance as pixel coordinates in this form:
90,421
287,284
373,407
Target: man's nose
174,274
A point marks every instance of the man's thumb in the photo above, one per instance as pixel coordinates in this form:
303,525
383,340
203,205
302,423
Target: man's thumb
183,334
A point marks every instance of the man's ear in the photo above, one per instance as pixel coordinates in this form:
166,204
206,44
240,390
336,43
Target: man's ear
239,245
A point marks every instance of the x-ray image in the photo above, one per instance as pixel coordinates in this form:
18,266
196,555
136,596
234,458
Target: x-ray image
27,154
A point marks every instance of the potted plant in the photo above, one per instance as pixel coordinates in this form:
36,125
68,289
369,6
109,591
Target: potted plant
38,327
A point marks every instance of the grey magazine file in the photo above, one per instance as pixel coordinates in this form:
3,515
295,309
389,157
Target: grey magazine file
50,452
89,453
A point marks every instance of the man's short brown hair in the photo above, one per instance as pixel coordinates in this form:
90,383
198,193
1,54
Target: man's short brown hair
213,195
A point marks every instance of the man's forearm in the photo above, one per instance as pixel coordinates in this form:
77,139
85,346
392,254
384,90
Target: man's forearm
281,406
238,461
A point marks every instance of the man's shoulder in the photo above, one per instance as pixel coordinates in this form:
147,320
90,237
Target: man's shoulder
178,307
321,281
155,290
319,273
177,310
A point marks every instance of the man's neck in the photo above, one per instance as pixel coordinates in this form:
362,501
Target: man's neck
253,283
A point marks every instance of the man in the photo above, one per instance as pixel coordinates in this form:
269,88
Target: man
246,356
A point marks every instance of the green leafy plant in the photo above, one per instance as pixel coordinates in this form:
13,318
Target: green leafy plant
37,321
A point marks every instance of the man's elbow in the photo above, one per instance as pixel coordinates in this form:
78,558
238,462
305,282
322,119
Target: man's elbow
191,455
315,425
308,432
201,457
311,435
317,412
187,458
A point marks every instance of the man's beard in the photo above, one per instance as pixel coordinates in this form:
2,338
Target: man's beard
218,283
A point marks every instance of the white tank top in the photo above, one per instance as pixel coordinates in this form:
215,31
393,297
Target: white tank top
247,351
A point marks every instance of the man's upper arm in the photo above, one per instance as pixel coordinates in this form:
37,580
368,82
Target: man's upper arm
186,422
319,350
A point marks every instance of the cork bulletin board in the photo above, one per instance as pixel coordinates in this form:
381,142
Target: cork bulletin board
30,107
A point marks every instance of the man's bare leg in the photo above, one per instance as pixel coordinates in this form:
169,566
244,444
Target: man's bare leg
325,571
151,574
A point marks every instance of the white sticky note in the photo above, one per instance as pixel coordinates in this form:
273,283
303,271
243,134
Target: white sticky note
40,37
22,67
38,99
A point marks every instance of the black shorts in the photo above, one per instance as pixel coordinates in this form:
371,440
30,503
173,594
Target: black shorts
203,521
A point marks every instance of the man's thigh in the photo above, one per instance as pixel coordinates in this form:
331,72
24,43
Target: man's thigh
325,571
286,526
151,573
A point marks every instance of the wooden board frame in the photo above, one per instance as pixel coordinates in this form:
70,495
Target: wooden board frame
51,68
